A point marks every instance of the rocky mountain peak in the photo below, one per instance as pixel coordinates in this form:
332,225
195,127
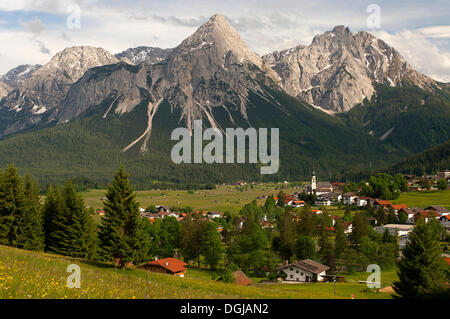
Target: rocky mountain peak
72,62
18,75
337,70
219,38
143,54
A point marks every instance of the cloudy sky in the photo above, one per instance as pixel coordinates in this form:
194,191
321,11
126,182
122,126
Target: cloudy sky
32,31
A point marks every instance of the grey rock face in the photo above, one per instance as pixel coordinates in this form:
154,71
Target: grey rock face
143,54
211,68
49,84
4,89
17,76
338,69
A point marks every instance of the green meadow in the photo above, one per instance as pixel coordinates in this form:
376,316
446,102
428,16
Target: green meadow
424,198
35,275
224,198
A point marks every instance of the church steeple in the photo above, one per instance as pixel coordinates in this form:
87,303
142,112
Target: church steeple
313,181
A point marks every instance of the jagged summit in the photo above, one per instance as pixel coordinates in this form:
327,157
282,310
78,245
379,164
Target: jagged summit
74,61
218,37
337,70
18,75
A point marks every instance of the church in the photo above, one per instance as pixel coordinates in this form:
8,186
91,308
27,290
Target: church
318,187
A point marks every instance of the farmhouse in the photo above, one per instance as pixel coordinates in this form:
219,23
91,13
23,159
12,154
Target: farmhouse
349,198
297,203
382,204
396,208
410,212
362,201
213,215
439,209
171,266
444,174
326,199
305,270
445,221
399,230
427,214
395,229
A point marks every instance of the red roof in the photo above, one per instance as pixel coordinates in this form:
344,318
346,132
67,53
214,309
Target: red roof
172,264
347,224
399,206
447,260
427,213
383,202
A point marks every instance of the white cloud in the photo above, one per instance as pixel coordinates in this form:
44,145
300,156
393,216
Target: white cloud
34,26
420,52
436,31
265,25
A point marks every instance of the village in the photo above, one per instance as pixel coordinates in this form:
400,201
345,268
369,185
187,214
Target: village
317,198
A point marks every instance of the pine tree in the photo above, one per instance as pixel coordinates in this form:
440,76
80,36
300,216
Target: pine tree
305,248
122,233
54,217
341,241
80,234
12,206
212,248
69,229
31,233
421,270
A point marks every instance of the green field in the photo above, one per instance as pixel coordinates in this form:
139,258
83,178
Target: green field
25,274
424,199
224,198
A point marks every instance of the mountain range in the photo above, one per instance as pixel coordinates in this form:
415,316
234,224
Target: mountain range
92,109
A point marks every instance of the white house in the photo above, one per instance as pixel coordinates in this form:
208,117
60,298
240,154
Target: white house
303,271
324,200
349,198
399,230
297,203
362,201
445,221
213,215
395,229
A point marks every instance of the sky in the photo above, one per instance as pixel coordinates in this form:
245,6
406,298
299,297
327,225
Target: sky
32,31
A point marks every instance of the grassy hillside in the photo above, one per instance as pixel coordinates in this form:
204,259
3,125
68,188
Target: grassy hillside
424,199
32,275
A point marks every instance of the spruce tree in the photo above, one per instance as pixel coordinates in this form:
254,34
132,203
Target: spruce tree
69,228
80,233
305,248
341,241
31,233
12,206
212,248
54,217
422,269
122,233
